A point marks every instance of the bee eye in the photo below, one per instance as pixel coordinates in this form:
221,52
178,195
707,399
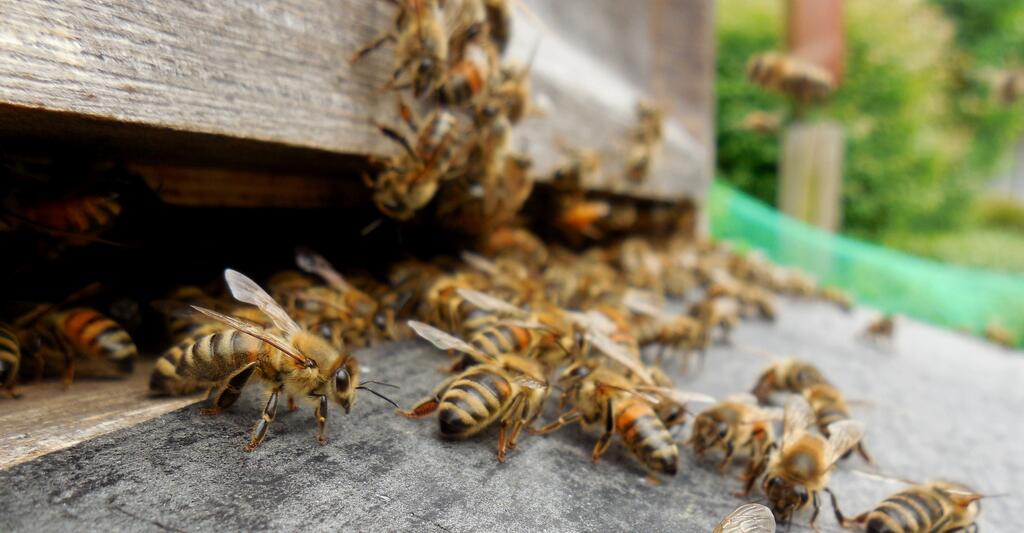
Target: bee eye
426,66
341,379
802,493
774,483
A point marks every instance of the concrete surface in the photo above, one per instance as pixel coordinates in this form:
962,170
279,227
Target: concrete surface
939,405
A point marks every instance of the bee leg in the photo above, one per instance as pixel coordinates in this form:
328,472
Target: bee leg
69,370
568,418
817,507
754,471
292,406
514,413
729,453
372,45
606,438
321,420
228,395
864,453
409,117
12,394
843,521
260,431
429,404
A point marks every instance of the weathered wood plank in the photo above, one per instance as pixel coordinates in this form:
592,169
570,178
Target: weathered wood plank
272,77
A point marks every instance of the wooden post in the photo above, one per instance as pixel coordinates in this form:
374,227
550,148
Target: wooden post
811,166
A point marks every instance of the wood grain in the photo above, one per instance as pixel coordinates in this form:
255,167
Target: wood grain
47,418
271,78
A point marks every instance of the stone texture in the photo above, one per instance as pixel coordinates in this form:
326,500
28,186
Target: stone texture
937,405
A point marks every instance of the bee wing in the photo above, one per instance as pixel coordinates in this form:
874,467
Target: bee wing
642,302
246,290
528,324
480,263
315,263
749,518
843,435
592,320
444,341
620,355
530,383
490,303
255,331
742,397
797,416
677,396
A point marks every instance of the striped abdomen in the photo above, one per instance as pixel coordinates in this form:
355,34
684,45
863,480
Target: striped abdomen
98,337
473,402
466,80
828,405
10,356
83,215
503,339
645,434
205,361
435,142
916,509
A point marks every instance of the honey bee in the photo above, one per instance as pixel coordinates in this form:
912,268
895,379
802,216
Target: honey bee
508,389
940,506
80,218
802,466
738,426
646,139
499,23
352,311
678,332
512,89
516,242
81,340
786,375
717,314
467,79
789,75
749,518
10,359
884,327
421,45
829,406
580,165
601,397
409,181
294,361
837,297
754,300
762,122
1000,335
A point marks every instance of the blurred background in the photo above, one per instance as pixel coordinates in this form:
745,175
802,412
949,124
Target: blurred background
923,110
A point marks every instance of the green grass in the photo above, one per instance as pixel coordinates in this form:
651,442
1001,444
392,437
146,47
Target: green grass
985,247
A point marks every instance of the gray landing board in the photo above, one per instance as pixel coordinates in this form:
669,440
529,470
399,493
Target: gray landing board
938,405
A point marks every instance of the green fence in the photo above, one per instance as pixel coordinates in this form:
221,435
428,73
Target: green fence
940,293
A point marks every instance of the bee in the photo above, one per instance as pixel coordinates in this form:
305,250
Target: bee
884,327
762,122
1009,87
294,361
579,217
789,75
508,389
182,324
421,45
721,313
837,297
518,243
352,311
10,359
81,218
678,332
646,139
829,406
1000,335
580,166
749,518
601,397
499,23
409,181
512,89
737,425
801,467
940,506
84,341
753,299
787,375
467,79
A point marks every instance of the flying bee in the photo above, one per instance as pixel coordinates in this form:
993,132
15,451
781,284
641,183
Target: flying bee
10,358
829,406
409,181
802,466
421,45
789,75
606,399
939,506
508,389
786,375
739,427
287,358
749,518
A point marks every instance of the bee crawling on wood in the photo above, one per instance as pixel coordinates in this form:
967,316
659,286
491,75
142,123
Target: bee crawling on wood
421,45
287,358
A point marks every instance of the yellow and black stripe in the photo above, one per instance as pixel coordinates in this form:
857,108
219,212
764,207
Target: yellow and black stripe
204,361
915,509
504,339
645,434
10,356
93,335
473,402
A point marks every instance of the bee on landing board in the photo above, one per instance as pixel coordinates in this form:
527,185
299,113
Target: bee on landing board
938,506
749,518
287,358
740,428
802,466
786,375
508,389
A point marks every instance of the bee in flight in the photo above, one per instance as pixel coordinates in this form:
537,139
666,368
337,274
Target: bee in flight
749,518
507,388
286,358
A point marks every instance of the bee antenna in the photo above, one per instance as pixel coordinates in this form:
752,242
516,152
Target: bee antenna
379,395
381,383
371,226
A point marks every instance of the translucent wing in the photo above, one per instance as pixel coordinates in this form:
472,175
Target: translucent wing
677,396
255,331
315,263
246,290
444,341
620,355
842,436
490,303
593,321
528,324
641,302
480,263
530,383
797,416
749,518
742,397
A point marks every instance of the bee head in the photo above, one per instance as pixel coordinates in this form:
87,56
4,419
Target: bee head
343,385
785,497
707,432
428,72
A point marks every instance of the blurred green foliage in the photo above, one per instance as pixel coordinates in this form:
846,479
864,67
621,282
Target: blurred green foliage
924,132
